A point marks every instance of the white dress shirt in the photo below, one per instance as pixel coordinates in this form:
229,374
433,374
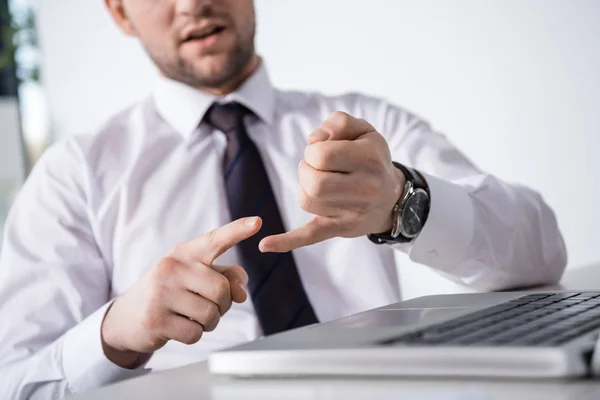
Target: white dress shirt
101,209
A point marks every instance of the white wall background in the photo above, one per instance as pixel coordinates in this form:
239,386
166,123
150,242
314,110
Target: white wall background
514,83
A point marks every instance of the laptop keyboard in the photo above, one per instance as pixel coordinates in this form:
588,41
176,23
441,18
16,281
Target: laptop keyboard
545,319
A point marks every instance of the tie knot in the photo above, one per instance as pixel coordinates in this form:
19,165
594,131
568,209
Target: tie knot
226,117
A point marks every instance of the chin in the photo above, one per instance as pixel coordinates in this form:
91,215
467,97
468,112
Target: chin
214,72
210,65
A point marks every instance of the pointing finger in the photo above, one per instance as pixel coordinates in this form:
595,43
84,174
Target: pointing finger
207,248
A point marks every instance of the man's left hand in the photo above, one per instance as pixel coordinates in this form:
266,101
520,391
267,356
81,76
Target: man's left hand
347,180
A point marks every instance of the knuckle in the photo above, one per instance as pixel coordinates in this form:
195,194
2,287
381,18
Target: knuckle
192,335
348,227
165,268
212,317
305,201
319,155
304,177
312,238
226,305
315,187
373,160
222,288
156,293
212,311
341,119
151,320
363,208
374,163
155,342
370,191
239,272
312,230
359,217
212,237
308,156
366,200
330,227
326,154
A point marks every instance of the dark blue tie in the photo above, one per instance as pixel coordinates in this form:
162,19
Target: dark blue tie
274,285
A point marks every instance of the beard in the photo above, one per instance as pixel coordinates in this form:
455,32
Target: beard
228,65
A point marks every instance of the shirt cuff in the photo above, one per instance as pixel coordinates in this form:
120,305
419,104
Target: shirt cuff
84,363
448,232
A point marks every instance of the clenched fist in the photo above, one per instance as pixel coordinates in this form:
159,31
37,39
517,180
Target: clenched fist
347,180
180,298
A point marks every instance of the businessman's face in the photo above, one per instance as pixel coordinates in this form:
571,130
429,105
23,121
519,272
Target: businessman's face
203,43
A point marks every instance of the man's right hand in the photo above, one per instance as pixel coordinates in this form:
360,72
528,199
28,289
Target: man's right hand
180,298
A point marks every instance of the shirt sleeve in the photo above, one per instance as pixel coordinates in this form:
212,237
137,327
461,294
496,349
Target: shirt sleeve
54,286
481,231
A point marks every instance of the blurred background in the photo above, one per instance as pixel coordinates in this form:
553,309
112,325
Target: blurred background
514,83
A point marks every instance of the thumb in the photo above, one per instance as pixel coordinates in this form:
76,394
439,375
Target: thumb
316,230
340,126
238,281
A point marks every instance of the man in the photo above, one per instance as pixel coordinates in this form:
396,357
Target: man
108,271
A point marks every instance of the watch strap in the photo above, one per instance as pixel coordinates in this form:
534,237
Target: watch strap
418,183
412,175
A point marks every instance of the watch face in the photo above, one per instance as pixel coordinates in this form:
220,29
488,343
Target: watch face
414,213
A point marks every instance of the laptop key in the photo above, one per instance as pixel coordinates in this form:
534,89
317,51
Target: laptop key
563,296
532,320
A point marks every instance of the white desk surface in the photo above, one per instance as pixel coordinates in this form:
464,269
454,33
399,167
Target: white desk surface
195,382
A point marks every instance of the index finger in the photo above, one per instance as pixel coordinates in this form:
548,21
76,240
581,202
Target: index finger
208,247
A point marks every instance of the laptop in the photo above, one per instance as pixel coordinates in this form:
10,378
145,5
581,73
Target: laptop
511,335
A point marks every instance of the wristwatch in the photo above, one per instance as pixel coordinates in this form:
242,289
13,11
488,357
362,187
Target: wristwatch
410,212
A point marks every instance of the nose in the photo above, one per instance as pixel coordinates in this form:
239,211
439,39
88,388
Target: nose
194,8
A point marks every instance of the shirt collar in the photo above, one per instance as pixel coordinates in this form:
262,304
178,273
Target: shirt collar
183,107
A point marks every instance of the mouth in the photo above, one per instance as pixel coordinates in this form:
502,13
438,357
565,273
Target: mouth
204,32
